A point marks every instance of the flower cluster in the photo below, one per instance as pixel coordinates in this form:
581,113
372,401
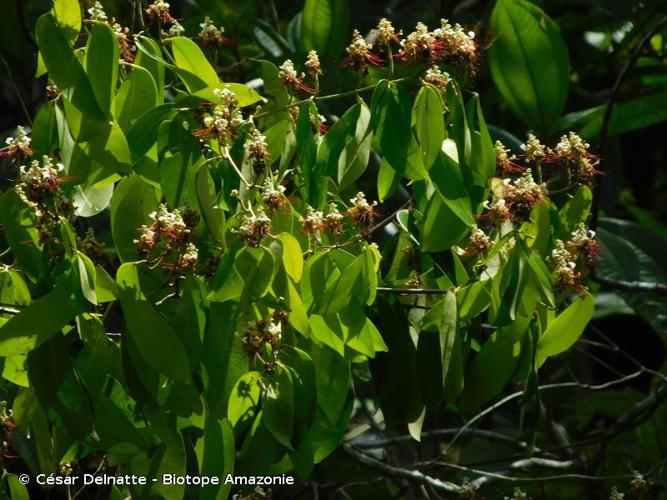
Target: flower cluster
313,222
259,335
125,44
273,196
448,42
255,227
386,35
224,120
533,150
18,148
313,64
97,13
566,256
166,237
362,213
257,150
572,152
504,160
290,77
515,199
211,35
581,162
8,425
360,53
316,221
39,188
436,77
160,9
479,242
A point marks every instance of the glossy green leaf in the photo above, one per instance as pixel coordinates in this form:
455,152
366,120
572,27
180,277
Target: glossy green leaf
154,337
244,400
102,58
136,96
41,320
188,56
292,256
65,69
529,63
278,407
429,123
566,329
323,24
494,365
90,201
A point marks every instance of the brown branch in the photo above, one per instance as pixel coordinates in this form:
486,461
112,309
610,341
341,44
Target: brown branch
630,286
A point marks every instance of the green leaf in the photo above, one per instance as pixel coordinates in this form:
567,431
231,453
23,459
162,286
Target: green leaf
442,228
136,95
392,108
156,340
216,457
102,60
188,56
144,133
324,25
19,231
566,329
132,202
85,269
292,256
576,210
494,365
256,267
429,123
529,63
244,400
90,201
395,372
353,160
58,387
627,116
38,322
17,490
68,16
307,151
448,180
65,69
278,407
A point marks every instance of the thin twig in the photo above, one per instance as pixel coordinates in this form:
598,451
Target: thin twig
329,97
413,475
630,286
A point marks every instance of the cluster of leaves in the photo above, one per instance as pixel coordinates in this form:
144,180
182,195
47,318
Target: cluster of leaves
191,281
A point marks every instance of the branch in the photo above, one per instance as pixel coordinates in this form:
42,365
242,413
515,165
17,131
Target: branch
519,394
413,475
631,286
435,433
